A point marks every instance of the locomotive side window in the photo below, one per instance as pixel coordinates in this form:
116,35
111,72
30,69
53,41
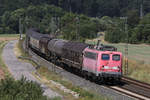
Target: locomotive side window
105,56
90,55
116,57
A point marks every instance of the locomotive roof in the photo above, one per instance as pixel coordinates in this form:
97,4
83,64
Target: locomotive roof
103,48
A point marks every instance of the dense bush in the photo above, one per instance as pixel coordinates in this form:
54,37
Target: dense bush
20,90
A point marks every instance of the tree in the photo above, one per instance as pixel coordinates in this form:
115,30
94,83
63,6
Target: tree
6,23
80,26
133,18
141,32
115,32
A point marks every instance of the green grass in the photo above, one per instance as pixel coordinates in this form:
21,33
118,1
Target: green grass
56,98
9,35
139,71
136,52
21,50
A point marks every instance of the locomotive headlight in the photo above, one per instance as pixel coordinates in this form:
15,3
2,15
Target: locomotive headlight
106,67
115,68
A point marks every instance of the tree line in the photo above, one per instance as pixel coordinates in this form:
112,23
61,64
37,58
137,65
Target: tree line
49,19
135,30
88,7
79,19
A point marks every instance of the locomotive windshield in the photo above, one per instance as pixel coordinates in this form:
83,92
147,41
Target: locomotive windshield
116,57
105,56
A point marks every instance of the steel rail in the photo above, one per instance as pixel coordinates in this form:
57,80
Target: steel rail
128,93
137,82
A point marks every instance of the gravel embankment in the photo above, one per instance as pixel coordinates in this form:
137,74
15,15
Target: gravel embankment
19,69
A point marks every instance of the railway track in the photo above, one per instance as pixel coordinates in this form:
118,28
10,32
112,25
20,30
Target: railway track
136,87
133,81
132,88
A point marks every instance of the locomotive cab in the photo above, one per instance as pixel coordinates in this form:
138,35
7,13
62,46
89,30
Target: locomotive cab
103,64
110,64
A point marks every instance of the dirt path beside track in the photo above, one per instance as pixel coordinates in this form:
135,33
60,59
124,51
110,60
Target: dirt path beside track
19,69
8,38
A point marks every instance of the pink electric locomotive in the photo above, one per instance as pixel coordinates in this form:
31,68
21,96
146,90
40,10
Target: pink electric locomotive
104,64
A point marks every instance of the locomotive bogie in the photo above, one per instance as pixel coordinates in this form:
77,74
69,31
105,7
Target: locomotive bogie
72,63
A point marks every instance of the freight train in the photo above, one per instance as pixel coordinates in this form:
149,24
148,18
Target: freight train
98,62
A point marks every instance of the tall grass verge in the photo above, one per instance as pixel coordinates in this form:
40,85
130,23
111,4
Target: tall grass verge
139,70
21,50
9,35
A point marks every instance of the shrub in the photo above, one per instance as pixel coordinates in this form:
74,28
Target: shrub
23,89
